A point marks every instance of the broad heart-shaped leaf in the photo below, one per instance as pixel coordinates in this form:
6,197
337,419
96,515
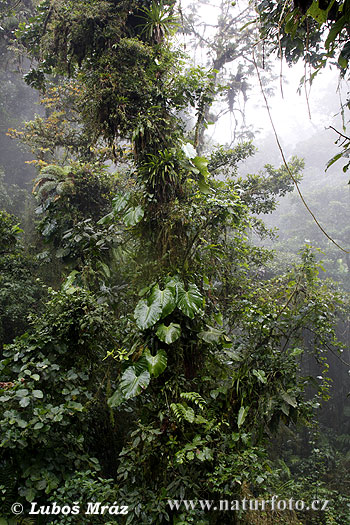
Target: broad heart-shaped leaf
146,315
174,284
156,363
191,302
131,384
242,414
133,216
159,304
168,334
165,298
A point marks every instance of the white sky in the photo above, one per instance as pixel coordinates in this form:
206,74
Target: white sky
290,113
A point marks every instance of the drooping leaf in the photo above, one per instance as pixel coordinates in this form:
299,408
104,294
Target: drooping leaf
291,400
160,303
219,319
204,186
30,494
105,269
68,285
191,302
174,284
168,334
156,363
242,414
116,399
336,28
131,384
212,335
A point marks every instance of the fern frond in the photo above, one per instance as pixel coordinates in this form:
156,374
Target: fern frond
194,397
182,412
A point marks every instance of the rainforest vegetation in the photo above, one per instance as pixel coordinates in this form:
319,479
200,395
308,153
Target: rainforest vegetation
158,341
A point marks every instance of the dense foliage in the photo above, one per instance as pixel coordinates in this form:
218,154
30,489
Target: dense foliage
162,363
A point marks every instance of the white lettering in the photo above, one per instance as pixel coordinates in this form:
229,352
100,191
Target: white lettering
32,508
174,504
282,504
325,504
299,505
56,509
93,508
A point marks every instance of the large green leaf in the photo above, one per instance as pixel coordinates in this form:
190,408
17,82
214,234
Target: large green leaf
203,186
174,284
131,384
260,374
156,363
133,216
165,298
320,15
159,304
201,164
146,315
120,202
169,334
191,302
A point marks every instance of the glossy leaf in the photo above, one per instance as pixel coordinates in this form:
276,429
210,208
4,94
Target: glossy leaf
191,302
131,384
146,315
165,298
156,363
168,334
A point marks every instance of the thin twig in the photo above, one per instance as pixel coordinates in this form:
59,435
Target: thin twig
341,134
